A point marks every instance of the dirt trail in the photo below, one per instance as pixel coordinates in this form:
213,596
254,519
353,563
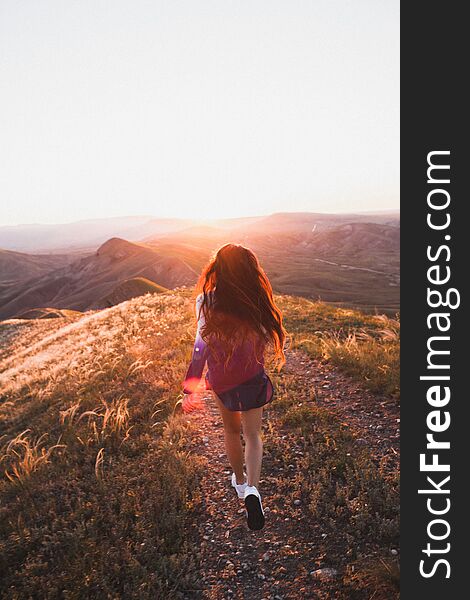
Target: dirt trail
281,562
373,419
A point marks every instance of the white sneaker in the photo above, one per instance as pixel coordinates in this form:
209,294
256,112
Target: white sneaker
254,508
239,487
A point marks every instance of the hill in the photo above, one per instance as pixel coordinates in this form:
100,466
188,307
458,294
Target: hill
131,288
305,222
46,313
85,282
93,232
101,480
349,263
350,260
17,266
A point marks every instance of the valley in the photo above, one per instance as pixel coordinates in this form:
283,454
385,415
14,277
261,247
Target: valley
348,260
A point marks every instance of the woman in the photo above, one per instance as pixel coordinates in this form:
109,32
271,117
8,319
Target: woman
237,318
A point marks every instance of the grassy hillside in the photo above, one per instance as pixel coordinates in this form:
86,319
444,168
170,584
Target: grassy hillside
98,489
95,481
131,288
366,347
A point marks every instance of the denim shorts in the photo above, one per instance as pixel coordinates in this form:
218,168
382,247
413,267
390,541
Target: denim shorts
254,393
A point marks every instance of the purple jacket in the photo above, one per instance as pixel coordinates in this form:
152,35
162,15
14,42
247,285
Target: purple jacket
244,366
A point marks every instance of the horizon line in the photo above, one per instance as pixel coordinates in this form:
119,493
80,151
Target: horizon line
154,217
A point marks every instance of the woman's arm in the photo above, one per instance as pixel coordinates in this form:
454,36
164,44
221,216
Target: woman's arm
199,355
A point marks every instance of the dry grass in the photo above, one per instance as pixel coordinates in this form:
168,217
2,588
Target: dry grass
95,482
374,362
366,347
95,504
22,456
352,499
110,420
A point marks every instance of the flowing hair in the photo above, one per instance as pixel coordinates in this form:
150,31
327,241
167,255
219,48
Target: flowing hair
244,307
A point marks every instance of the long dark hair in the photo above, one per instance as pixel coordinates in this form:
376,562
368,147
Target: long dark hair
244,306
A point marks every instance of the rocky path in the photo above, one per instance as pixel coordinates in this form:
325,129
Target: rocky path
374,420
284,560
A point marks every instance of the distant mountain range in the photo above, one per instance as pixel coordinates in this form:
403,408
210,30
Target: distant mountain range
346,259
91,233
84,234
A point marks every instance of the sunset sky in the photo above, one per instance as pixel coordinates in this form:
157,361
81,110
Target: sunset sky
197,108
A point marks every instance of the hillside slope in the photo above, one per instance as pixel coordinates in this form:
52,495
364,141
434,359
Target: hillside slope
350,263
101,482
130,288
88,280
17,266
351,260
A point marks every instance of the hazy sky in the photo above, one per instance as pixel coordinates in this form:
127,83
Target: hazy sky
197,108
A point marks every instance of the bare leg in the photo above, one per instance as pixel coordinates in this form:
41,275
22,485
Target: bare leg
251,421
233,444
